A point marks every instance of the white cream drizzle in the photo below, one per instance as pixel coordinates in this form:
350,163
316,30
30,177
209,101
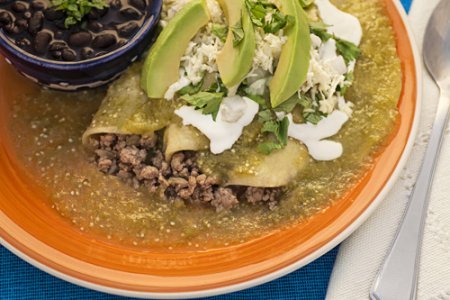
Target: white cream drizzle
343,25
222,133
313,136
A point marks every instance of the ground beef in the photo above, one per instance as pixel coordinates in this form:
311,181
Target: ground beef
138,161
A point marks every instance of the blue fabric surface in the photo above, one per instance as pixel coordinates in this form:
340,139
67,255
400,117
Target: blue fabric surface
19,280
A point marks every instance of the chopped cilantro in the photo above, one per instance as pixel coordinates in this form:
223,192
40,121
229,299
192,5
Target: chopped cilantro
306,3
348,50
190,89
258,99
75,10
278,128
348,80
311,111
218,87
238,33
208,103
288,105
268,147
267,16
220,31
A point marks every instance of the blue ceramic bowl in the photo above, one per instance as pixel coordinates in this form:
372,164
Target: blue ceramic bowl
90,73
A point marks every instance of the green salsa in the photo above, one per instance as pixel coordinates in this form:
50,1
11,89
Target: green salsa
47,128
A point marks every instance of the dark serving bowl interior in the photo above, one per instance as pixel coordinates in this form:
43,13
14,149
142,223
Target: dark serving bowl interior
89,73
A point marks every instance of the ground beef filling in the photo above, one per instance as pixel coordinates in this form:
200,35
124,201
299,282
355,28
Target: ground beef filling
138,161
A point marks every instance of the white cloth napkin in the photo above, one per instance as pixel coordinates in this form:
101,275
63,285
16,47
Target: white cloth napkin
361,255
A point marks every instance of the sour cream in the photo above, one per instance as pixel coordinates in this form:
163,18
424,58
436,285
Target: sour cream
234,114
343,25
314,136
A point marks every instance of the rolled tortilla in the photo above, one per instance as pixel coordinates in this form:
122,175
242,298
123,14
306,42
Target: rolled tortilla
127,110
183,138
275,170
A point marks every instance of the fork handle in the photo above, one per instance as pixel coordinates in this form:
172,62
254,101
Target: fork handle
397,279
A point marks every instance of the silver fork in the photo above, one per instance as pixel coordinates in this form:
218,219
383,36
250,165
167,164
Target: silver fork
397,279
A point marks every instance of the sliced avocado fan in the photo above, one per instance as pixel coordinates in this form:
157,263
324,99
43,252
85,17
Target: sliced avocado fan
295,55
161,67
234,63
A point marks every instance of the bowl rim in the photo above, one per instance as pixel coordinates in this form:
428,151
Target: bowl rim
305,260
149,24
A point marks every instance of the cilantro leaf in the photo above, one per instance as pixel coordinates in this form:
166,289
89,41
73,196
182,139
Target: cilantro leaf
348,82
268,147
306,3
279,129
238,33
75,10
348,50
218,87
288,105
313,118
320,29
267,16
258,99
265,115
311,111
208,103
220,31
190,89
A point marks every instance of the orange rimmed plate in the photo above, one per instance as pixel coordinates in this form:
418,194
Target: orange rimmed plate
34,231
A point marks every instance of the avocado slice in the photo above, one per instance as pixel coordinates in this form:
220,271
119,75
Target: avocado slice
161,67
234,63
294,60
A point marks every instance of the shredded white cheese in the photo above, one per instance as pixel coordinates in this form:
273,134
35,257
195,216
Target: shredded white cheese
201,53
268,49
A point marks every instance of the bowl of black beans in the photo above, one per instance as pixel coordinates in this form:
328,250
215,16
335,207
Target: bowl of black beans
75,44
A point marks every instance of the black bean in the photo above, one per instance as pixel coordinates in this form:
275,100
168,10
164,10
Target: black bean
57,46
52,14
80,39
122,42
23,42
22,24
104,40
12,29
35,23
58,34
116,4
19,6
69,55
95,14
95,26
41,41
57,54
139,4
131,13
27,15
87,53
38,5
5,18
60,24
128,29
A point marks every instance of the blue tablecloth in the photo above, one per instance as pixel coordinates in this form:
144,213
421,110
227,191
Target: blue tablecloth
19,280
